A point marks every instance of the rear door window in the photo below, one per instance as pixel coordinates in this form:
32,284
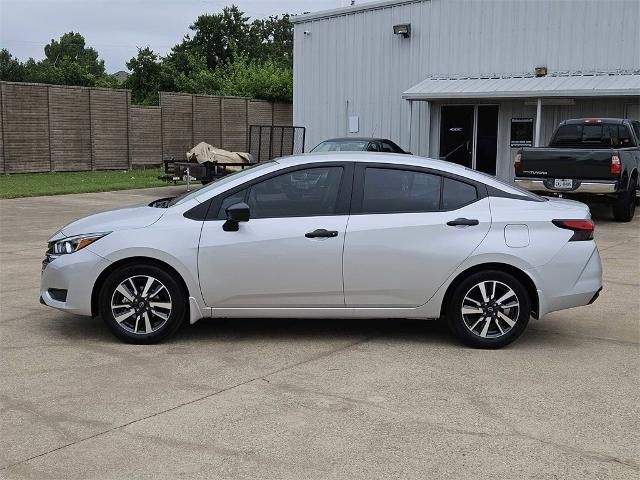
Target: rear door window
456,194
389,190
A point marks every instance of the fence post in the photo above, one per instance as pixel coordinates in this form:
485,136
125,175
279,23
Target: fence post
246,116
161,127
222,122
91,138
52,165
193,120
281,140
129,153
4,127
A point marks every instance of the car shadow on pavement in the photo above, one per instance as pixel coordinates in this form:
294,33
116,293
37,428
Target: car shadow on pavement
279,330
87,329
322,329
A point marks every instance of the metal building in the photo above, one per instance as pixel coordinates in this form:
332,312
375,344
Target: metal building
465,80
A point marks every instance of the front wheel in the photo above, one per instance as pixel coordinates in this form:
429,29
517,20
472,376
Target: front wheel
489,309
142,304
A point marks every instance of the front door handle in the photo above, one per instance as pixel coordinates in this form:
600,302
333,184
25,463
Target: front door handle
322,233
463,222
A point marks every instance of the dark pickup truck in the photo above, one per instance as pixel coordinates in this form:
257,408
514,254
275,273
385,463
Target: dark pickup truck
587,158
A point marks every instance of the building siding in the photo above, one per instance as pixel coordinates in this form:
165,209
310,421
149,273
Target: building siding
353,64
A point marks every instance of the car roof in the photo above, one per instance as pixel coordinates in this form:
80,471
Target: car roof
399,159
354,139
377,157
361,157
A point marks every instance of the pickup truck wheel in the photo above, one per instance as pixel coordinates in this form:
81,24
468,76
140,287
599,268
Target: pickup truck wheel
624,207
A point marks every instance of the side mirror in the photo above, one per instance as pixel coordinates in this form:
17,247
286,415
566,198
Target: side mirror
236,213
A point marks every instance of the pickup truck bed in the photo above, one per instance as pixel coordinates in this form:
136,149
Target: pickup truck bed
587,159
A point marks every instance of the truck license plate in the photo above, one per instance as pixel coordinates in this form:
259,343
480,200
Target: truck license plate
563,183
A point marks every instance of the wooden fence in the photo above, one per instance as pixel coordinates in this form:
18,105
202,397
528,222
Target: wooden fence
58,128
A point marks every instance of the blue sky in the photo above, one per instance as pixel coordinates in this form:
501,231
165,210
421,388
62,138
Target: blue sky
116,27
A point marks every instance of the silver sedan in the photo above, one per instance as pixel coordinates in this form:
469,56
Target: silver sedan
331,235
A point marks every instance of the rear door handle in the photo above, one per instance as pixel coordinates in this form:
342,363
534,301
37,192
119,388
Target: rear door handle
322,233
463,222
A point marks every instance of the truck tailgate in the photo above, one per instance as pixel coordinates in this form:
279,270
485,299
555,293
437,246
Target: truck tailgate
566,163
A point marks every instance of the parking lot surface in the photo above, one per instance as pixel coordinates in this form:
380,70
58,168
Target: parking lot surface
312,399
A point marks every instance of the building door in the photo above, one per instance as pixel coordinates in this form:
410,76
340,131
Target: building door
486,138
469,136
456,134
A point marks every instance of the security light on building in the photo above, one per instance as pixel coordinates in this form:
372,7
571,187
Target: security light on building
403,29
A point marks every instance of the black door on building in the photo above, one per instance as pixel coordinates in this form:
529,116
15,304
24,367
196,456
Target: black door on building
465,145
456,134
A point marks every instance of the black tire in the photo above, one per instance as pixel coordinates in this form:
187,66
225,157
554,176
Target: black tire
461,325
624,207
160,328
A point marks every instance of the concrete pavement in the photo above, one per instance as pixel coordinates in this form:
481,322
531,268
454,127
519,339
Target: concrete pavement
312,399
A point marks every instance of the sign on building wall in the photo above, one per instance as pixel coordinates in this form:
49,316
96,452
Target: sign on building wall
521,132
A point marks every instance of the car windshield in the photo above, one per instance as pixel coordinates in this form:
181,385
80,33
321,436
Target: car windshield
342,146
219,182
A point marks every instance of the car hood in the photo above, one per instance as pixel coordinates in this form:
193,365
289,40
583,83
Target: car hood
112,220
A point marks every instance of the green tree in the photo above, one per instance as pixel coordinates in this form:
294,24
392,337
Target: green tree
11,69
269,80
71,50
272,39
67,62
146,77
219,37
227,54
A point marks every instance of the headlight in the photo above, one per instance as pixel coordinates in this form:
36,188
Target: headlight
73,244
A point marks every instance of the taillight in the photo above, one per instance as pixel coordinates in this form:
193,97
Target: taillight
616,166
582,229
517,164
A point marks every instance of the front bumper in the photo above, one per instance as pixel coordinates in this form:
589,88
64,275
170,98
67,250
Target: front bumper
590,187
76,273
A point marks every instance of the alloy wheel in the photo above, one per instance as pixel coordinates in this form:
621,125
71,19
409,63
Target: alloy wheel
141,304
490,309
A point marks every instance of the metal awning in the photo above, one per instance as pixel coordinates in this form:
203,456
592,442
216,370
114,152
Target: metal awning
571,85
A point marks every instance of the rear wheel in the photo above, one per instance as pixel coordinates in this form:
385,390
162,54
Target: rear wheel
624,207
489,309
141,303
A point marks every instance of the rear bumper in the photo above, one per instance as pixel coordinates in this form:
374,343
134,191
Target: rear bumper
590,187
564,285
